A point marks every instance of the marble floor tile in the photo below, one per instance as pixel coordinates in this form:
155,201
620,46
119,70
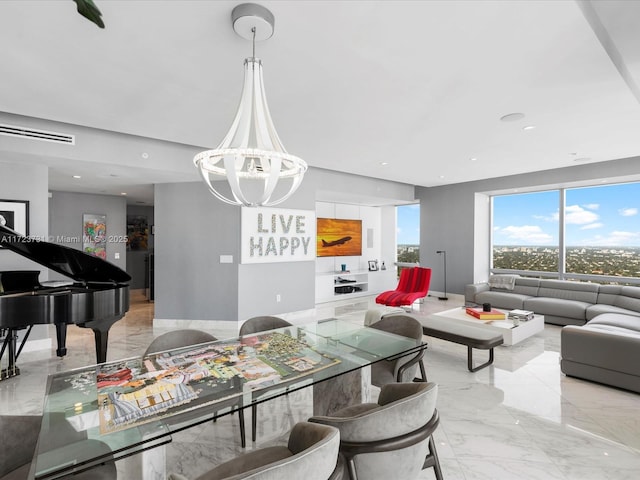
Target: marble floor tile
520,418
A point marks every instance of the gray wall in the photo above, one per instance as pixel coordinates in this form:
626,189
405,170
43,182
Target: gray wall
65,220
455,218
193,229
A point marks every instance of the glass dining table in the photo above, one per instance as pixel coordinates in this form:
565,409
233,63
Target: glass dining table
112,410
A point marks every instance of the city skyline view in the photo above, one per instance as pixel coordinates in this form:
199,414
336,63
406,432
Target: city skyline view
594,217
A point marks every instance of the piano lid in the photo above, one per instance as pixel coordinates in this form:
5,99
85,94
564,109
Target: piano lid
70,262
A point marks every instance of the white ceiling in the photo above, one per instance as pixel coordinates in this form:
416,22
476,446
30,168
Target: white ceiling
351,84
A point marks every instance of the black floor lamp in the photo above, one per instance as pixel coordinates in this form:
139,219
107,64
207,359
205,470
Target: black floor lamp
444,297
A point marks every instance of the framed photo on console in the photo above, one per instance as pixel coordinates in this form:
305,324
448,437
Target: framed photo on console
373,265
14,214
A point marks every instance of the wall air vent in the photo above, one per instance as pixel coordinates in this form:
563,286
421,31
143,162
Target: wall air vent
33,134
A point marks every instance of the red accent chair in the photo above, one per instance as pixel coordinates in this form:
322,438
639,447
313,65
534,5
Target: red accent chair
414,284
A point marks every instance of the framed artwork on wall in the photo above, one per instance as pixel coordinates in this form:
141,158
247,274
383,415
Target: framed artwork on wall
14,214
336,237
94,235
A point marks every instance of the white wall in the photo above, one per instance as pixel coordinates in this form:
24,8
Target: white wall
27,182
378,243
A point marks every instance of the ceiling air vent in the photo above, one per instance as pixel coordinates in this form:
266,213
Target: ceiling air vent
33,134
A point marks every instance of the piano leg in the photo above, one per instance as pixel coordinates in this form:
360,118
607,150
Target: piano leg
101,337
61,337
10,343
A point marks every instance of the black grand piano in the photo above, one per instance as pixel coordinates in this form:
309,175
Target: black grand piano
98,297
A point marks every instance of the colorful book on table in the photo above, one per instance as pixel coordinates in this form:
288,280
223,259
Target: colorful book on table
482,315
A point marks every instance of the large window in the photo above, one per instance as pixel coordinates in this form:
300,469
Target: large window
593,234
408,233
602,230
525,231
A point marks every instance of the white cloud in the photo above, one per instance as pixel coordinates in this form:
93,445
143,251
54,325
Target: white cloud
591,226
628,212
548,218
576,215
526,234
615,239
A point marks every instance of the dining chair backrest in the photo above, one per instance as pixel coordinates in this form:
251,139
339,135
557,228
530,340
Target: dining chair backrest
390,439
262,324
18,439
311,454
403,369
177,339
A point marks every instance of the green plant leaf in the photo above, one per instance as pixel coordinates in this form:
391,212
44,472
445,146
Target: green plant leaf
88,9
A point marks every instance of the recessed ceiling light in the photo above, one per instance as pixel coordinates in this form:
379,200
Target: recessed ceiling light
123,193
77,176
384,163
145,155
512,117
529,127
441,176
473,159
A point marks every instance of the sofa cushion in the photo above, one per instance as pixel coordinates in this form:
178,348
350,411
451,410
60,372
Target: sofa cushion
527,286
502,299
624,322
600,309
582,292
607,294
558,307
629,299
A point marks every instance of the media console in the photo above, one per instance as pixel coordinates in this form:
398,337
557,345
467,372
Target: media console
335,285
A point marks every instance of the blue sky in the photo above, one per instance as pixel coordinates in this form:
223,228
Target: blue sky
594,216
408,228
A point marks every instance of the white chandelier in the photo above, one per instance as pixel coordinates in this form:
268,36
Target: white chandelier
251,157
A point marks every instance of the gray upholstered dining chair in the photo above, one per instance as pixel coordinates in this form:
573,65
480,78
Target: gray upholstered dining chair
391,438
185,338
18,439
257,325
311,454
403,369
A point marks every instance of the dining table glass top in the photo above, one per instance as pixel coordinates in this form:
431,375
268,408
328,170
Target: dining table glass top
112,410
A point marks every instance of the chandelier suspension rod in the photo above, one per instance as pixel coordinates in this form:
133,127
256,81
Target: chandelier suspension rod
253,53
